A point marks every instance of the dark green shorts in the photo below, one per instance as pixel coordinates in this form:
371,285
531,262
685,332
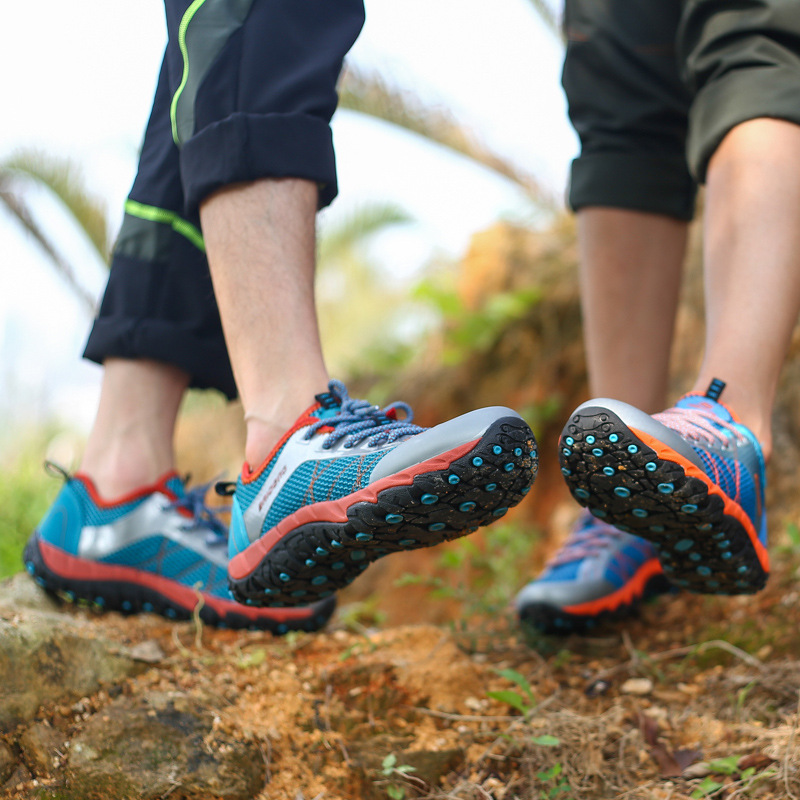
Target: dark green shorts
655,85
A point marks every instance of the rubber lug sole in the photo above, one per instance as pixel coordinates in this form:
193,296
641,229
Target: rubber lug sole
620,479
133,598
317,558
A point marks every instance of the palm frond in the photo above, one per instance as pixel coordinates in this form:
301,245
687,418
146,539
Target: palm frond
21,212
368,93
549,16
357,226
64,179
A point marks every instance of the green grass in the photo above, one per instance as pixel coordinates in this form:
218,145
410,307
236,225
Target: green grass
26,492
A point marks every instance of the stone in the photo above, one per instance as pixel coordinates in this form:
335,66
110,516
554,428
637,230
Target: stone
19,592
41,745
637,686
51,657
159,744
8,762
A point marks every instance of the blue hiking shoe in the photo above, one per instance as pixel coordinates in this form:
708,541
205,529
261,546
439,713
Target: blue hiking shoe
159,549
690,480
600,574
350,483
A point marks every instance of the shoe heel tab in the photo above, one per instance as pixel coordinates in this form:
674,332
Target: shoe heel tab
715,389
55,470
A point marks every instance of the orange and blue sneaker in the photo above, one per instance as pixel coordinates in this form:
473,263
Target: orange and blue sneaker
350,482
160,549
690,480
600,574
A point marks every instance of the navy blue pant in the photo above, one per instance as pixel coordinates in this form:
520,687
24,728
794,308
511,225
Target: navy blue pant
246,91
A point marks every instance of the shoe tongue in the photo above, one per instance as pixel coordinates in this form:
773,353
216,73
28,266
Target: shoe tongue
330,405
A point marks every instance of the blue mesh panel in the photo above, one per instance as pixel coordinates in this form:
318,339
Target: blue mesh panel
291,496
178,560
136,555
198,575
627,561
743,492
217,583
101,516
176,486
563,572
317,481
246,492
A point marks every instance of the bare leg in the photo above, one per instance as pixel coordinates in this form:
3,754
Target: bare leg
261,246
631,265
130,444
752,278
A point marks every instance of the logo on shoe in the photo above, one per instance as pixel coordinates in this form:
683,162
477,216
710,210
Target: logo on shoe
271,488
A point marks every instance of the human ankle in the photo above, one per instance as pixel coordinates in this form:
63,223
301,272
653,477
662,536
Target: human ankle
748,409
124,464
268,420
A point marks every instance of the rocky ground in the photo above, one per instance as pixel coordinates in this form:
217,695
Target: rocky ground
427,688
697,698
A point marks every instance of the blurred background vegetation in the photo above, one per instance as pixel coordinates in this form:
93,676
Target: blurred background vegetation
501,325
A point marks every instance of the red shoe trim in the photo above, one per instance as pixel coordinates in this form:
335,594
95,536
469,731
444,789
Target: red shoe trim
305,419
73,568
627,594
242,564
732,508
159,486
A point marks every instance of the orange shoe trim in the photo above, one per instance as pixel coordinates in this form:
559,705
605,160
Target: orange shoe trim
731,507
73,568
243,564
626,595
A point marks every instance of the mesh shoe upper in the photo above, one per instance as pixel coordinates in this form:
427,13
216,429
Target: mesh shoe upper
159,549
163,530
589,571
350,483
730,454
330,452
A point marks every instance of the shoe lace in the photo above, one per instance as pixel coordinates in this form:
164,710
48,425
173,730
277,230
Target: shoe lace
590,537
699,424
358,419
203,517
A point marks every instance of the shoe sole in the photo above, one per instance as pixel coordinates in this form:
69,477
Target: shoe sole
705,541
325,546
565,620
132,591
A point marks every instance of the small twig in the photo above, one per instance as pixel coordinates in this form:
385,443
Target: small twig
196,619
632,651
267,758
464,717
182,648
677,652
789,747
517,722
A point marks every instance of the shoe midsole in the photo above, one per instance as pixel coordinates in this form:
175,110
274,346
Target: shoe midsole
245,562
70,567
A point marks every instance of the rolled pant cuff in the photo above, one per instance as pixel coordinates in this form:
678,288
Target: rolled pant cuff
205,361
246,147
655,184
737,97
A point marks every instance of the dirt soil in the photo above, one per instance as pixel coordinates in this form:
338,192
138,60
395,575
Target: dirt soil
696,698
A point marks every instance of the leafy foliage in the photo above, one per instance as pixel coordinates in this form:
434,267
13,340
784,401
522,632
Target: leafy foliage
26,492
368,93
62,178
